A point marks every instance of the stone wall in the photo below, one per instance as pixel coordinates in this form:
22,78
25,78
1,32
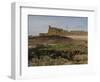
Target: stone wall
55,31
61,32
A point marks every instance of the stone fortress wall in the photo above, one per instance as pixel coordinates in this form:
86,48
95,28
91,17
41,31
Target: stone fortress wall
61,32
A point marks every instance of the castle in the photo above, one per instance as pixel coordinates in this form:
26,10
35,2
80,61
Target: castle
56,31
61,32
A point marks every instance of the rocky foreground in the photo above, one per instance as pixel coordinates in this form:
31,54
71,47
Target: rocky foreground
56,50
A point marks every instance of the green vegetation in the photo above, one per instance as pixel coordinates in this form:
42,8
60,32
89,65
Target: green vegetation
58,54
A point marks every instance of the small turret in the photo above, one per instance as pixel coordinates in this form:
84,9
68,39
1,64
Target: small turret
49,26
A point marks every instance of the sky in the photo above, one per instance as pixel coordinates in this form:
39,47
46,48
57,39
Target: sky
40,24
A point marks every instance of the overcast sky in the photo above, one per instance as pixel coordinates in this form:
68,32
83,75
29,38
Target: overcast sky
39,24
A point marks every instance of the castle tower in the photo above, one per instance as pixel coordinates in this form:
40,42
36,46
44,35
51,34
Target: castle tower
51,30
49,26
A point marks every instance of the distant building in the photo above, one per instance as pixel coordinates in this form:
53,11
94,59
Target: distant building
55,31
61,32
